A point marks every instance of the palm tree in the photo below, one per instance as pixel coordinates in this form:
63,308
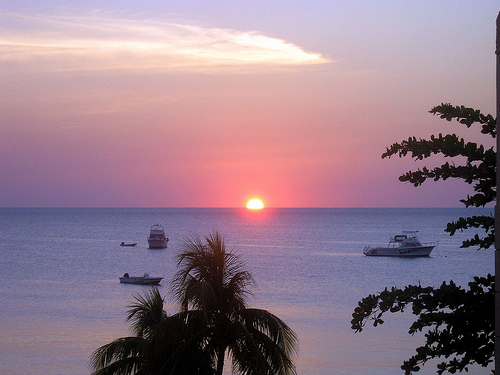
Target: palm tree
162,344
129,355
213,282
212,288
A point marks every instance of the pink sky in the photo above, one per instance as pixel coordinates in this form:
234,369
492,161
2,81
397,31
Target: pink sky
127,104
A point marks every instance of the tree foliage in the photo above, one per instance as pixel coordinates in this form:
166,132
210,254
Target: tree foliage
458,324
471,163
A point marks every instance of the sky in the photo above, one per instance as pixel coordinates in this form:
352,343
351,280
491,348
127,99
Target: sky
211,103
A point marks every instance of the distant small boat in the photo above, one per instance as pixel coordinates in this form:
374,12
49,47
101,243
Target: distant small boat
128,244
157,238
405,244
142,280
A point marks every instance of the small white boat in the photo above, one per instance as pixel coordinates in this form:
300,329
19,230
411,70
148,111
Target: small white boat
128,244
142,280
405,244
157,238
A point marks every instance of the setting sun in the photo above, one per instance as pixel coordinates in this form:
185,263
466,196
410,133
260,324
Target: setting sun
255,204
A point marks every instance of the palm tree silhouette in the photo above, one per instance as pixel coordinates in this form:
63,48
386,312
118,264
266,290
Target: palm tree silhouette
212,289
213,281
162,344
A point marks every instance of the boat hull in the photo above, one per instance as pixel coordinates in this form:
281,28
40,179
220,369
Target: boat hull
157,244
405,252
141,280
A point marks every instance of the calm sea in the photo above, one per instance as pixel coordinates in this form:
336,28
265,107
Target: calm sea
61,297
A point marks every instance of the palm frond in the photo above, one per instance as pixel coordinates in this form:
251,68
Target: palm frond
266,345
274,327
210,277
146,312
121,356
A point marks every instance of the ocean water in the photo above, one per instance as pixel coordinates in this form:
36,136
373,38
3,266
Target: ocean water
61,298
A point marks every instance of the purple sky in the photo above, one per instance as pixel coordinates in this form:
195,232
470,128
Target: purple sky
177,104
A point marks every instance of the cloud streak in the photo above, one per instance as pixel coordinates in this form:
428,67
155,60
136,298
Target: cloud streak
50,43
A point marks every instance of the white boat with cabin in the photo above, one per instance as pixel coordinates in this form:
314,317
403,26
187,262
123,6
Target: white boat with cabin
405,244
142,280
157,238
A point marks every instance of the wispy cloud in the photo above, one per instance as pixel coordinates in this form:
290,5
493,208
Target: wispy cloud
97,43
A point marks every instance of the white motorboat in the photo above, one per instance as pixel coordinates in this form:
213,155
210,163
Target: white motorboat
142,280
405,244
157,238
